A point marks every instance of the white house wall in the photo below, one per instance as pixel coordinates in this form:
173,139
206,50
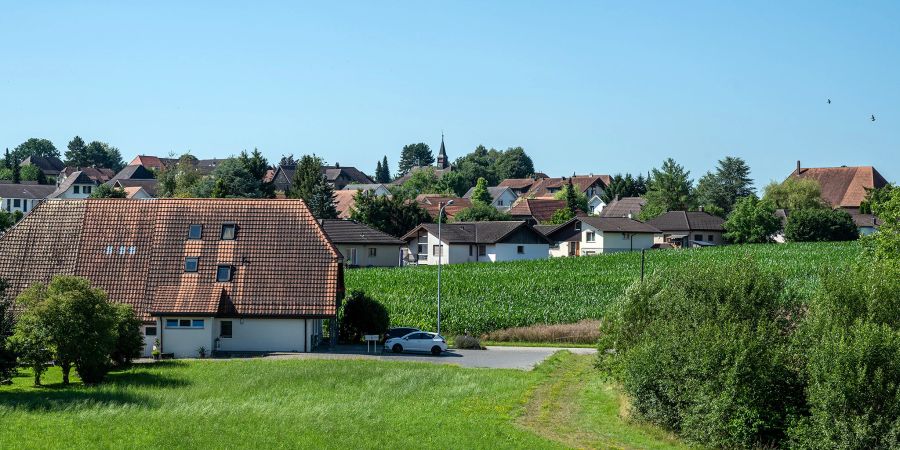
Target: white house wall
505,200
617,242
385,255
509,252
265,335
184,342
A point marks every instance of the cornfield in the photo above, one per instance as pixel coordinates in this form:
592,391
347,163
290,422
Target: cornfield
482,297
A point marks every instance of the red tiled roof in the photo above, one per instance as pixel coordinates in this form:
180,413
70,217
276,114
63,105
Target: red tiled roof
283,263
344,200
541,209
151,162
843,186
542,188
687,221
432,204
517,183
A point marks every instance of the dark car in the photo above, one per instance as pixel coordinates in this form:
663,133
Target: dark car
398,332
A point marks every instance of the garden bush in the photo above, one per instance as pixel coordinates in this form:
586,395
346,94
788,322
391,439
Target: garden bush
362,315
467,342
129,340
820,224
705,350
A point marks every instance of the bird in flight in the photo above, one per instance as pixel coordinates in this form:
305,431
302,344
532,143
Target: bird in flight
829,101
873,117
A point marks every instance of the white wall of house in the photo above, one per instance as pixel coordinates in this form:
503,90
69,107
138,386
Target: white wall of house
511,252
370,255
709,236
504,201
265,335
19,204
78,191
624,242
185,342
595,205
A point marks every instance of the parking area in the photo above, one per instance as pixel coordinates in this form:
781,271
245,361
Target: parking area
523,358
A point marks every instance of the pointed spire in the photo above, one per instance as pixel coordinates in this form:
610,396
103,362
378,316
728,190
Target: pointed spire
442,162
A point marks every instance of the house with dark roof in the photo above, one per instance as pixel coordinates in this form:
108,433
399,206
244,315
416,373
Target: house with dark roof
377,189
204,166
624,207
536,210
23,197
502,197
100,175
520,186
432,204
689,228
51,166
338,176
229,275
462,242
136,180
591,235
75,185
362,245
589,185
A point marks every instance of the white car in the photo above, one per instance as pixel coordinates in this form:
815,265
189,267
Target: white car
417,341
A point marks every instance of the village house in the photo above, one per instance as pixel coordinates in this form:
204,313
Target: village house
338,176
475,241
23,197
377,189
228,275
136,179
502,197
204,166
845,188
432,204
589,235
75,185
50,166
519,186
99,175
362,245
624,207
689,229
589,185
536,210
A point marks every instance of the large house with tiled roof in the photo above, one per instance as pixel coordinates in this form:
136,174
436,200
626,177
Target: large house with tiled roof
624,207
23,197
50,166
589,185
590,235
229,275
535,210
842,187
689,228
432,204
462,242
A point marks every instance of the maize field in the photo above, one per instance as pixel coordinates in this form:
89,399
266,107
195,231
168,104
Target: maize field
482,297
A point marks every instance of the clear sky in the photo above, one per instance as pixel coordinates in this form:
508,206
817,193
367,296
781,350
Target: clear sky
601,87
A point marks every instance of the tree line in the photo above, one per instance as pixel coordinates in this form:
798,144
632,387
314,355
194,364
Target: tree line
78,154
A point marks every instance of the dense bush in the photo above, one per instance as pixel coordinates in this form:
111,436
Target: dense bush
820,224
467,342
361,315
129,341
7,355
852,340
751,222
705,350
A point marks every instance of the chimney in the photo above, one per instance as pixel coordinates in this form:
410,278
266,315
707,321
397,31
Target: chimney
798,167
701,208
629,215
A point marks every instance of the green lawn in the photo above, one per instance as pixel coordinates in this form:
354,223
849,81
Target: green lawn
482,297
319,403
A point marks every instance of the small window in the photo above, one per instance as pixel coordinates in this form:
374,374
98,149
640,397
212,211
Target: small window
223,274
190,264
171,323
197,323
122,250
372,252
435,250
698,237
590,236
228,231
520,249
711,238
109,249
195,231
150,331
225,329
184,323
577,225
132,250
87,189
482,250
17,203
77,189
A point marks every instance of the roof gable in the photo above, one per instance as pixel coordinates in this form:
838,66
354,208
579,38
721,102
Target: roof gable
843,186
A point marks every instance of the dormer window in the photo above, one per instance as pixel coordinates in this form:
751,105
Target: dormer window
77,189
229,230
223,274
195,231
577,225
190,264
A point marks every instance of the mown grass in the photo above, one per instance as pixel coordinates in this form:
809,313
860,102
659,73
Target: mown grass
483,297
288,403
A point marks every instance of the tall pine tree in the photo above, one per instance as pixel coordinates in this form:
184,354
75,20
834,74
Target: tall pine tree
311,186
383,171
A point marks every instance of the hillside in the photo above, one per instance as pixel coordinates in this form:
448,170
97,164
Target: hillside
481,297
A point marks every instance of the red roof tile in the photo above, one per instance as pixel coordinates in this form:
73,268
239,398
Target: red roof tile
843,186
541,209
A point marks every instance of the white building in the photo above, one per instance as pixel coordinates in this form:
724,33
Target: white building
362,245
502,197
475,241
76,185
584,236
23,197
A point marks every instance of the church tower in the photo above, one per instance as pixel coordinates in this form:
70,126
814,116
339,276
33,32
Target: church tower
442,161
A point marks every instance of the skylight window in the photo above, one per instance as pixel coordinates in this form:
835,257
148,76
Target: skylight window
223,274
195,231
191,264
229,230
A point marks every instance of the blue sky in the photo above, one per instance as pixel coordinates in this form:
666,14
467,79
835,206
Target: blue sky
601,87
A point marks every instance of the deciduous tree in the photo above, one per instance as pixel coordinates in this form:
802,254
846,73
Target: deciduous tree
752,221
795,193
669,189
414,155
392,215
34,147
480,194
107,191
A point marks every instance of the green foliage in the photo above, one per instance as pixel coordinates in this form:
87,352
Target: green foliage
383,171
885,244
362,315
33,147
7,220
852,362
560,216
751,222
6,174
422,181
480,194
624,186
107,191
722,189
31,336
310,185
76,151
820,224
237,178
7,355
480,212
875,196
414,155
95,154
129,340
32,173
485,297
513,163
180,180
669,189
575,200
795,193
392,215
705,350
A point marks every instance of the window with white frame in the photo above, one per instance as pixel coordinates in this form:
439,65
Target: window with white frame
373,252
195,324
590,236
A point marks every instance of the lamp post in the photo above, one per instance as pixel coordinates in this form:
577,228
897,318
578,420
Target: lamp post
440,255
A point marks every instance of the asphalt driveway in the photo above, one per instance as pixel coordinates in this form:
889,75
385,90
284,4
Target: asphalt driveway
524,358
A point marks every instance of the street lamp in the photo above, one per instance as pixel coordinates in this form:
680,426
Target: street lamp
440,255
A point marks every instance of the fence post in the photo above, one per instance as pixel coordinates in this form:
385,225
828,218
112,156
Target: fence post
642,265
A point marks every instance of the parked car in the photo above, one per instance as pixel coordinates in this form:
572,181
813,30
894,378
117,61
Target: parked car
418,341
399,332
